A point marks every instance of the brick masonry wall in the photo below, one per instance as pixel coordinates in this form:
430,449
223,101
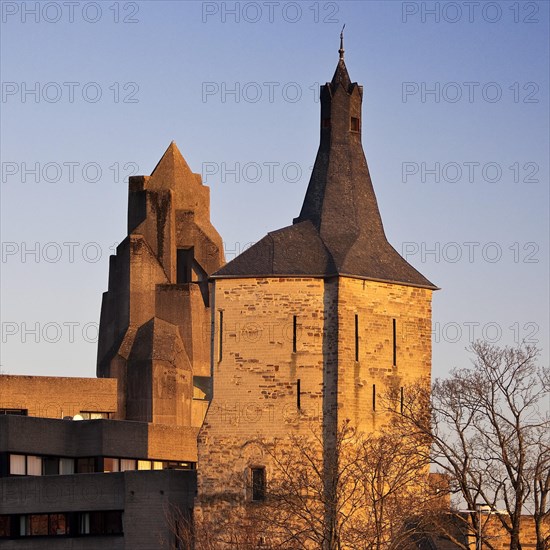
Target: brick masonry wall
499,537
256,371
376,306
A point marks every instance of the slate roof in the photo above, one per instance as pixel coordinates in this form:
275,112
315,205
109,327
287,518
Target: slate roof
339,230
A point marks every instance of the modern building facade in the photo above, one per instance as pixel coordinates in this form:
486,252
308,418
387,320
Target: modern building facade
102,463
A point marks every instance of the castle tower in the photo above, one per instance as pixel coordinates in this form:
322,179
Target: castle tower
154,332
314,321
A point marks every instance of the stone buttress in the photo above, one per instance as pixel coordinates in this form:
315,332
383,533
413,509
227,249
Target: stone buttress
155,317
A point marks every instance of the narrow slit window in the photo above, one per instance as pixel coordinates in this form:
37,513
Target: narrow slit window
402,399
374,397
394,343
326,123
294,332
354,124
220,336
258,483
356,337
298,394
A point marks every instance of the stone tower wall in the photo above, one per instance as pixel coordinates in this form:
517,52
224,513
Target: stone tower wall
256,372
377,305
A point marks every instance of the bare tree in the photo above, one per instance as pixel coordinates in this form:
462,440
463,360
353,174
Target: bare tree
370,492
490,435
377,496
539,474
401,496
196,532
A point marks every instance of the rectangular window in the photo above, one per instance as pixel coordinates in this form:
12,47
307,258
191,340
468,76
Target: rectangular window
111,465
34,466
294,332
298,394
394,343
96,523
184,265
5,526
37,524
41,525
220,335
66,466
356,337
172,465
127,464
157,465
374,397
50,466
24,526
84,523
85,465
258,483
354,124
57,524
18,465
93,415
144,465
100,523
17,412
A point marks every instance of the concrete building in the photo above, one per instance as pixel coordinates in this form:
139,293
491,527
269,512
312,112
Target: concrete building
91,484
100,463
155,318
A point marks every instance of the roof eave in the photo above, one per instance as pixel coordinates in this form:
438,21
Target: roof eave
323,276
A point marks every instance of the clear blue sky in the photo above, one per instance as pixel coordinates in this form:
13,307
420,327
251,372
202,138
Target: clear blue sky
459,95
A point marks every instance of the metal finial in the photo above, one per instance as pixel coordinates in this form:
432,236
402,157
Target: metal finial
341,50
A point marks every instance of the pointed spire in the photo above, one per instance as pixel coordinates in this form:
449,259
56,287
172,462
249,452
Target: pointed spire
341,50
339,230
172,161
341,75
340,201
170,170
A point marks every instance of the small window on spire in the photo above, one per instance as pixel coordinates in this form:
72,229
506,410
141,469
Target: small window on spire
354,125
325,123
